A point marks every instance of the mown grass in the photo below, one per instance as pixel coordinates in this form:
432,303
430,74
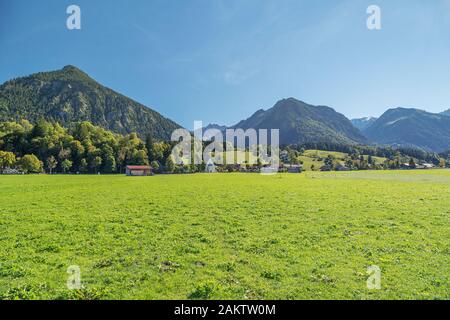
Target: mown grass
223,236
308,162
323,154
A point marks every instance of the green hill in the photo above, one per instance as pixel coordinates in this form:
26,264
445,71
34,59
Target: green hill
70,95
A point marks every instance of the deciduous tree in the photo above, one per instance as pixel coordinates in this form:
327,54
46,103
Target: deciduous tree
51,163
31,164
7,160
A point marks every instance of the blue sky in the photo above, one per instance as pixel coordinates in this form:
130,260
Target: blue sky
221,60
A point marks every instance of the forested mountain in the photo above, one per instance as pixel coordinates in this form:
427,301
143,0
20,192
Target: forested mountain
301,123
411,127
70,95
363,123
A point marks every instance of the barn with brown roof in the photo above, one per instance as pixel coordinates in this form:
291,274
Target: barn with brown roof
138,171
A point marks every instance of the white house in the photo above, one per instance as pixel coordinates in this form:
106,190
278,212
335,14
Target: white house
210,167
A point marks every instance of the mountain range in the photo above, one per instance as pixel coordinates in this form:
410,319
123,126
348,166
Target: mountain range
411,127
70,95
398,127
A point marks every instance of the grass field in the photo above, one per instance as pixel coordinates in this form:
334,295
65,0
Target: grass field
222,236
311,157
324,154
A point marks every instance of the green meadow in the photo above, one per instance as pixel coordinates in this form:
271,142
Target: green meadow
226,236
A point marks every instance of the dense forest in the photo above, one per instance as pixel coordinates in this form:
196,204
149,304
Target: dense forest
82,148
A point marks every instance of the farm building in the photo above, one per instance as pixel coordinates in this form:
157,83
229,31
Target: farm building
295,169
210,167
340,167
11,171
140,171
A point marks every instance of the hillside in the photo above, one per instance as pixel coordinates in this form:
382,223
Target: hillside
70,95
411,127
300,122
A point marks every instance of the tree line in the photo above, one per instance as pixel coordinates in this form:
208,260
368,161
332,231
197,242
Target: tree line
390,153
85,148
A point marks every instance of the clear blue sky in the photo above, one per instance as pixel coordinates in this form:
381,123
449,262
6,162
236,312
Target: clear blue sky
221,60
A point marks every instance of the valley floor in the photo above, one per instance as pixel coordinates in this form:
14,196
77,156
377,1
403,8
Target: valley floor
223,236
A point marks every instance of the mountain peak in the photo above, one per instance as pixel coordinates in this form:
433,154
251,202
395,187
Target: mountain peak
300,122
289,102
70,67
71,70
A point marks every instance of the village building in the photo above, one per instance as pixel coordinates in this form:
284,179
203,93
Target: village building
210,167
11,171
294,169
341,167
268,170
139,171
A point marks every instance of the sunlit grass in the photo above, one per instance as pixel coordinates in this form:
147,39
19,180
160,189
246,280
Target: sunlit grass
241,236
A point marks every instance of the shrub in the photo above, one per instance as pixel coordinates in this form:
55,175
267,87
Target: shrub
203,291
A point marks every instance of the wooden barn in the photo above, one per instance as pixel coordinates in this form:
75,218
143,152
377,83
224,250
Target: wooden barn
139,171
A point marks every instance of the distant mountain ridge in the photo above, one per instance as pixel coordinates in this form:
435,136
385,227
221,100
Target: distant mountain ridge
213,128
70,95
363,123
411,127
446,112
300,122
